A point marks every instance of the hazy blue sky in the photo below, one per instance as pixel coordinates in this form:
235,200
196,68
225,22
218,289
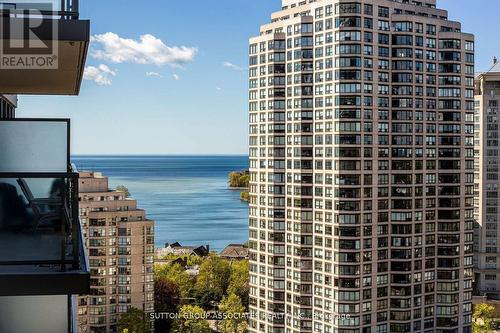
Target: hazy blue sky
182,90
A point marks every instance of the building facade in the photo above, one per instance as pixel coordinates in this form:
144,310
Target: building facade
120,243
487,275
362,169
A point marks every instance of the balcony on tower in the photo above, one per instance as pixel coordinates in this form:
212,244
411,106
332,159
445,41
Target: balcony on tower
43,47
43,261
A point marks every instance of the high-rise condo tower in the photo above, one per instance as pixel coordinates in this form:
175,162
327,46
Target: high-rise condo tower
362,169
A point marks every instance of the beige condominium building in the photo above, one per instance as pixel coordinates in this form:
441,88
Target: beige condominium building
362,169
120,243
487,274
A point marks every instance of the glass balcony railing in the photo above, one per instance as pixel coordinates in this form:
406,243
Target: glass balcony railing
40,233
61,9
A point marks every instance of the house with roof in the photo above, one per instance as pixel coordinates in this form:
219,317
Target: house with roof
179,250
235,252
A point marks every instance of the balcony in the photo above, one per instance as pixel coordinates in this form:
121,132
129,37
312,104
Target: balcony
51,60
41,245
41,314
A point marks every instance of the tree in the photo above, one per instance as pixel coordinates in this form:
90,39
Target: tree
245,179
167,300
123,188
214,277
483,318
176,274
233,311
238,283
133,321
191,320
206,298
239,179
245,196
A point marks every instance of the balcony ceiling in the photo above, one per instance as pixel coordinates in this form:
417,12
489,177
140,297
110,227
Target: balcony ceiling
73,42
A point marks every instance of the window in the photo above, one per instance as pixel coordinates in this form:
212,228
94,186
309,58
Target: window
449,44
469,46
402,40
431,29
383,39
383,11
368,23
383,25
348,8
346,22
368,9
403,26
368,37
348,36
348,49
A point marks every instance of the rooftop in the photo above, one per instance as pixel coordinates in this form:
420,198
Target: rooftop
235,251
496,67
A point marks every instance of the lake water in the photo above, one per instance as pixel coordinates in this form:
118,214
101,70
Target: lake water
187,196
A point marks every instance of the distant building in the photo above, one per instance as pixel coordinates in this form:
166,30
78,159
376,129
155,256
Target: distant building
487,213
235,252
183,252
180,261
193,271
183,262
120,241
179,250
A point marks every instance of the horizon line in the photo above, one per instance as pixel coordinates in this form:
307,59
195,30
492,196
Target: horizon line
160,154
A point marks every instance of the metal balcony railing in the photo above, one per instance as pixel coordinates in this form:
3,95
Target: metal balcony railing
59,9
39,206
40,231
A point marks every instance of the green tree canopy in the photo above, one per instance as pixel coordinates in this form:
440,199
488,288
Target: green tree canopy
191,320
233,310
214,277
123,188
238,282
483,318
239,179
245,196
176,274
133,321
